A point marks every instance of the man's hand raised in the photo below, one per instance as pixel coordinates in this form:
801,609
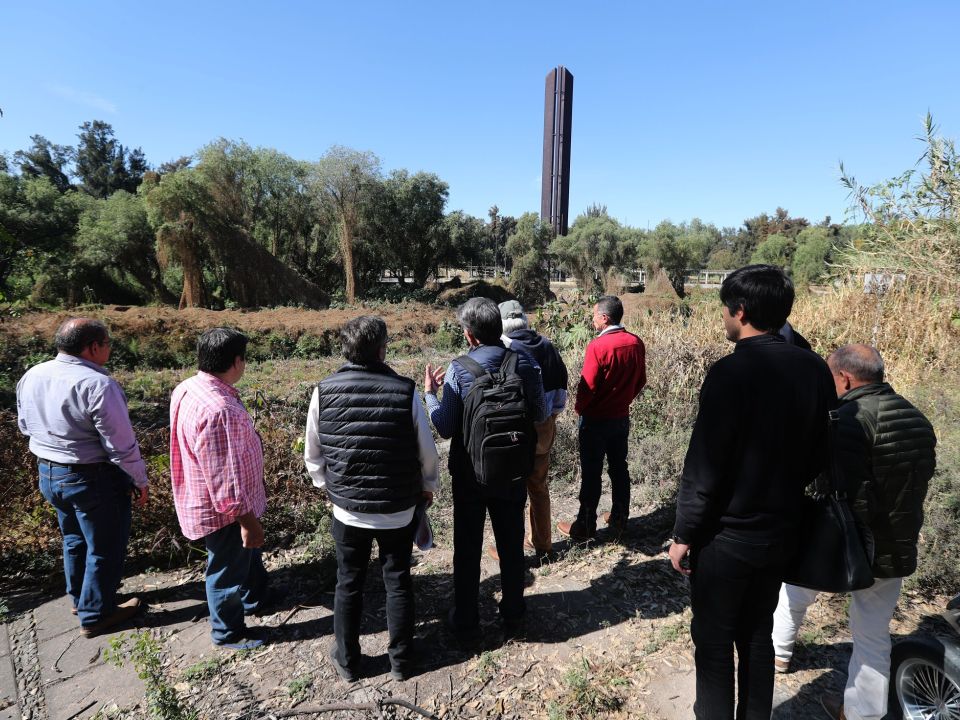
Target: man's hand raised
433,378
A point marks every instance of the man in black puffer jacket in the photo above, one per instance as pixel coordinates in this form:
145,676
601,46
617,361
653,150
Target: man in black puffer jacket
885,451
369,445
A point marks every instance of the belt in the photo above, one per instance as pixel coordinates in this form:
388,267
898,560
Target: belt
70,466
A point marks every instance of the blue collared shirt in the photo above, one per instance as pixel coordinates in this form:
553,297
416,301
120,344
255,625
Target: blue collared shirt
75,413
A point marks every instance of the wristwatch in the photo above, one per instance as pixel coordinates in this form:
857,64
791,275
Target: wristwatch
676,539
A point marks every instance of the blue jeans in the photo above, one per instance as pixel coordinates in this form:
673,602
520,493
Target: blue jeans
93,509
601,439
236,583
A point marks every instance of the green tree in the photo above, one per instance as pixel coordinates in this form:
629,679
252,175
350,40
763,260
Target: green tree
181,212
103,165
813,252
39,223
44,159
499,228
466,236
668,246
340,181
527,248
593,248
114,238
408,223
775,250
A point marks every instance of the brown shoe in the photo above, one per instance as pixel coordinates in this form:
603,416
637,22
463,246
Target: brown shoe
614,524
575,531
781,666
833,705
492,552
124,612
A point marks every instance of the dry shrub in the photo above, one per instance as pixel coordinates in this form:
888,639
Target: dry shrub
915,329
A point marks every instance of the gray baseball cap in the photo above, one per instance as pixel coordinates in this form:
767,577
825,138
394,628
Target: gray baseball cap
510,309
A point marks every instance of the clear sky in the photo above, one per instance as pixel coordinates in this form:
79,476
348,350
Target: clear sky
718,110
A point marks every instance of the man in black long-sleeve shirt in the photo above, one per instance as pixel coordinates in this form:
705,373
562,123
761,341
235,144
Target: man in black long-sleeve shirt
760,437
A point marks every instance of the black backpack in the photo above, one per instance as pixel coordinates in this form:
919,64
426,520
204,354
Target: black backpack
498,432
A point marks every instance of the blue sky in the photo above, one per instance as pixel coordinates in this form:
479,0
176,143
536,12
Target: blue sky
712,110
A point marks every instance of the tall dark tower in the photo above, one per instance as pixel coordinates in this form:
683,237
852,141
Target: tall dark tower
557,122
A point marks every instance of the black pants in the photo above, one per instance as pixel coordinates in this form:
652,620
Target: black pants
470,507
601,439
734,590
353,556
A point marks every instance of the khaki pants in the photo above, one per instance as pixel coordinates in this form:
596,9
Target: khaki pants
538,487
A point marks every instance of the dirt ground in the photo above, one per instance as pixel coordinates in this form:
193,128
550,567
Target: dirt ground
411,320
134,321
607,637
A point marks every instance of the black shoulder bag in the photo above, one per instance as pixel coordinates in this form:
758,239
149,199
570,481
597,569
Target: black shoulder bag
835,553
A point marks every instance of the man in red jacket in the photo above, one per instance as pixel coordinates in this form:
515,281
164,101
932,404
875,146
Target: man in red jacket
613,375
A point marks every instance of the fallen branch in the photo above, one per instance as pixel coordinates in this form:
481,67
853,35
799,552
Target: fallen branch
83,709
56,663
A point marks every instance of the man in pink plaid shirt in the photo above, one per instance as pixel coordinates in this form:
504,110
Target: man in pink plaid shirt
216,465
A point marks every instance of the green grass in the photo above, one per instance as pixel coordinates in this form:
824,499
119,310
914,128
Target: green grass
203,670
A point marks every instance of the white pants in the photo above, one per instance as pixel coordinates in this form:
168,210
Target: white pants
868,676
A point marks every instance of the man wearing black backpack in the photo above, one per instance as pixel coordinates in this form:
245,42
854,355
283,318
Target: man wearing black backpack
491,455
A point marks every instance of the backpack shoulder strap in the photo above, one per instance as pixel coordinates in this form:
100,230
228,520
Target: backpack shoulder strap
471,366
509,364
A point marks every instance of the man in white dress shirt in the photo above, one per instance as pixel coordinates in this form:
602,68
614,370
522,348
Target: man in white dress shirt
369,445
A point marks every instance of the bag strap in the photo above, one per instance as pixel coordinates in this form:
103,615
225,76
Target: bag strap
471,366
509,364
838,483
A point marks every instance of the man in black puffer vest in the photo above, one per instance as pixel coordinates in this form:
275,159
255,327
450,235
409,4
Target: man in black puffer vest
368,444
885,450
482,327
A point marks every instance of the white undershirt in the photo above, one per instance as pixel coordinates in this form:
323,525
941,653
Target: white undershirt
429,468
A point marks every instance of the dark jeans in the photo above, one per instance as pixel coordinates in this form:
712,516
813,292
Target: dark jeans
93,509
470,507
734,589
601,439
237,583
353,557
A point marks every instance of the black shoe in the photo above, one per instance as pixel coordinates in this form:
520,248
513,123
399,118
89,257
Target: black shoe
616,524
342,670
401,675
514,629
576,531
275,596
466,635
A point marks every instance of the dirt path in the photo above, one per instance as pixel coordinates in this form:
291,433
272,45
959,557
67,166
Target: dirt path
607,637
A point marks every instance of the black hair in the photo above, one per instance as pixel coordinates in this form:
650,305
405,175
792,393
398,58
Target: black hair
218,348
77,334
862,361
763,292
481,317
610,306
362,339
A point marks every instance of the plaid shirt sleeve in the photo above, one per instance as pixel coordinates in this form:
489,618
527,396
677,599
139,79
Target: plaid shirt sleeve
230,457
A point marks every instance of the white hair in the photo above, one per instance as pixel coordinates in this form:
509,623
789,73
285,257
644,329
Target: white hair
513,324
